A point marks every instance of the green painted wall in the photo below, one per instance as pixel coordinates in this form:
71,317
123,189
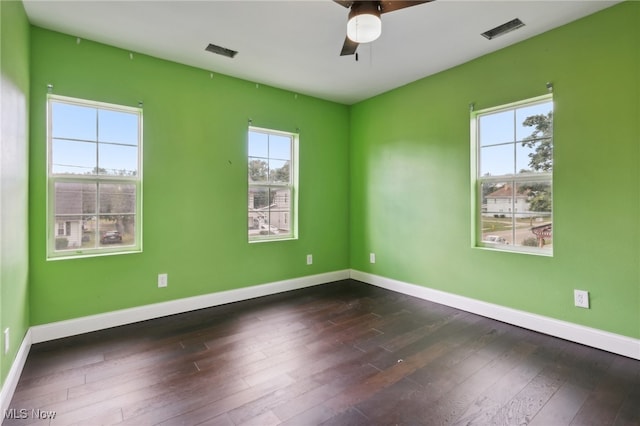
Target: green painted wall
195,181
398,187
410,179
14,185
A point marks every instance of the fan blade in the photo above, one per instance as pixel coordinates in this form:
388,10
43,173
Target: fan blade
346,4
349,47
390,6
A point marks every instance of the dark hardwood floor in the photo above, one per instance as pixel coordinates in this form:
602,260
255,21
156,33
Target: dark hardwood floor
344,353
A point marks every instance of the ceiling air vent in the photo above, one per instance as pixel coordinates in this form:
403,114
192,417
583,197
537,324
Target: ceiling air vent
503,29
221,50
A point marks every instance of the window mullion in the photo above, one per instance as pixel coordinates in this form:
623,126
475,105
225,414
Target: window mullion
97,172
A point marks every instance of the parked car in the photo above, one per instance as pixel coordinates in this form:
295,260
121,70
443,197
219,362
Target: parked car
495,239
268,229
111,237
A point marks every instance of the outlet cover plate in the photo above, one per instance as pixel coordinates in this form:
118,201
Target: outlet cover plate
7,341
581,298
163,280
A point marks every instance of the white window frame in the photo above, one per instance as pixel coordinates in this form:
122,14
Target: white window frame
513,179
52,178
290,217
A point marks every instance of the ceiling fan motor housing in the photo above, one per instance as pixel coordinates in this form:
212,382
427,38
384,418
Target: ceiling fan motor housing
364,23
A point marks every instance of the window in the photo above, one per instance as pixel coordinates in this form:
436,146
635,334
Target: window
94,178
513,166
272,185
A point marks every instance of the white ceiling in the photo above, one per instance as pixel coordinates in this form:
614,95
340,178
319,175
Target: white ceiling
295,45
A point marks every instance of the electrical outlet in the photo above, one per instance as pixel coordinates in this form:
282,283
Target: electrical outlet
309,259
163,280
372,258
6,340
581,298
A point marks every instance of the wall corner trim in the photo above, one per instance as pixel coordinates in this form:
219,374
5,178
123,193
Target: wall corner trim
610,342
9,385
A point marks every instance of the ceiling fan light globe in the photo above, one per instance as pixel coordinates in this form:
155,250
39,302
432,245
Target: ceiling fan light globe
364,28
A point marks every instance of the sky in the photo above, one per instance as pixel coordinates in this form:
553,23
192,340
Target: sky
274,148
500,152
84,138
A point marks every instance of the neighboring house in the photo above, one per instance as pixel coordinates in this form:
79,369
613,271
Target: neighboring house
68,223
501,202
275,214
77,206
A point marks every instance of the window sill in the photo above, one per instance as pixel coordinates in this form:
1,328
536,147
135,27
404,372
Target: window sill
79,254
520,250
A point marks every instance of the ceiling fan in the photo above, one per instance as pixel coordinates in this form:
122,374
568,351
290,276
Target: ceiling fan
364,23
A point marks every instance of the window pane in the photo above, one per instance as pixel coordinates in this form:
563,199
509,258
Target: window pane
72,202
258,145
119,160
497,197
119,127
534,157
279,171
497,160
534,227
73,121
496,222
258,198
280,147
533,120
538,196
279,213
117,199
115,230
68,157
269,210
259,201
496,128
75,199
496,230
258,170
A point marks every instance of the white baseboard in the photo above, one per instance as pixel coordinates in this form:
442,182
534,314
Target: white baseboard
9,385
615,343
610,342
72,327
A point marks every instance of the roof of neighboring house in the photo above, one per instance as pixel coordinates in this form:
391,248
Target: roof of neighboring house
80,198
69,199
505,191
